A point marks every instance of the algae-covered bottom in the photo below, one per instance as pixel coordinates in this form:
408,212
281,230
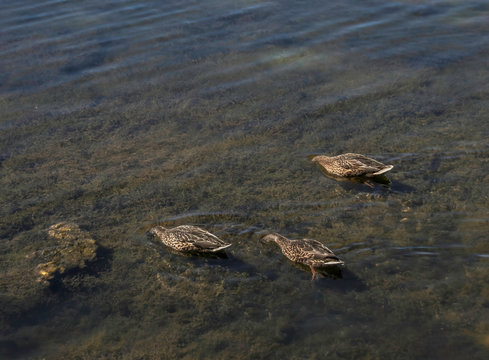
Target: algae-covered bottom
120,116
413,285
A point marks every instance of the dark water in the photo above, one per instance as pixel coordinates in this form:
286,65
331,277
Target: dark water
118,115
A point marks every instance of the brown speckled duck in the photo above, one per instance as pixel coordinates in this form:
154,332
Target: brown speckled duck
348,165
305,251
189,238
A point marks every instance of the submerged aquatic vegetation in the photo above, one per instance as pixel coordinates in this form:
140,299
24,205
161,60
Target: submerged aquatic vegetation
74,250
210,122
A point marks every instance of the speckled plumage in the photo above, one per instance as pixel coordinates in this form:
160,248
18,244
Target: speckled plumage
305,251
350,164
189,238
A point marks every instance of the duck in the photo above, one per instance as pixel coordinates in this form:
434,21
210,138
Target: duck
351,165
189,239
308,252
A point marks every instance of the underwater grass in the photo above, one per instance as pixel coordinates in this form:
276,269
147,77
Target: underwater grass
221,139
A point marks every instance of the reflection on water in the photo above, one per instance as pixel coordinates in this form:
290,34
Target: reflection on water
123,114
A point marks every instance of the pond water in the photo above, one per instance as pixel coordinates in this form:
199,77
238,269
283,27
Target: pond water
121,115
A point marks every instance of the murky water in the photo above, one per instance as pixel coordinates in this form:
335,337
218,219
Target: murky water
120,115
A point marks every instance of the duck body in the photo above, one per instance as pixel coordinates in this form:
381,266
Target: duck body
305,251
350,165
189,238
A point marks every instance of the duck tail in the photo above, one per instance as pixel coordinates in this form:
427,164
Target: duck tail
221,247
335,262
384,170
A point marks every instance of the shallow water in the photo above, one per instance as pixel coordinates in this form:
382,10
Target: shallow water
120,115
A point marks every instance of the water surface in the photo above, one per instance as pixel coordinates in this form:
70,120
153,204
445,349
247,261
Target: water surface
120,115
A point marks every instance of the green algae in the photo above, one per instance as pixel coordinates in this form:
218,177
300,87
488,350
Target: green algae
74,249
255,304
191,144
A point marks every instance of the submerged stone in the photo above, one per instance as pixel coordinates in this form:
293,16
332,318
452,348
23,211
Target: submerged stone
74,250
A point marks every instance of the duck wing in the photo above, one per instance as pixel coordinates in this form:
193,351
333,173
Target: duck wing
197,239
312,252
315,248
358,165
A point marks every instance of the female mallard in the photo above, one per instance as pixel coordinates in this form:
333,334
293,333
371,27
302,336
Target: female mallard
306,251
347,165
189,238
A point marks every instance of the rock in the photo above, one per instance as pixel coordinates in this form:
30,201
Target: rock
75,248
